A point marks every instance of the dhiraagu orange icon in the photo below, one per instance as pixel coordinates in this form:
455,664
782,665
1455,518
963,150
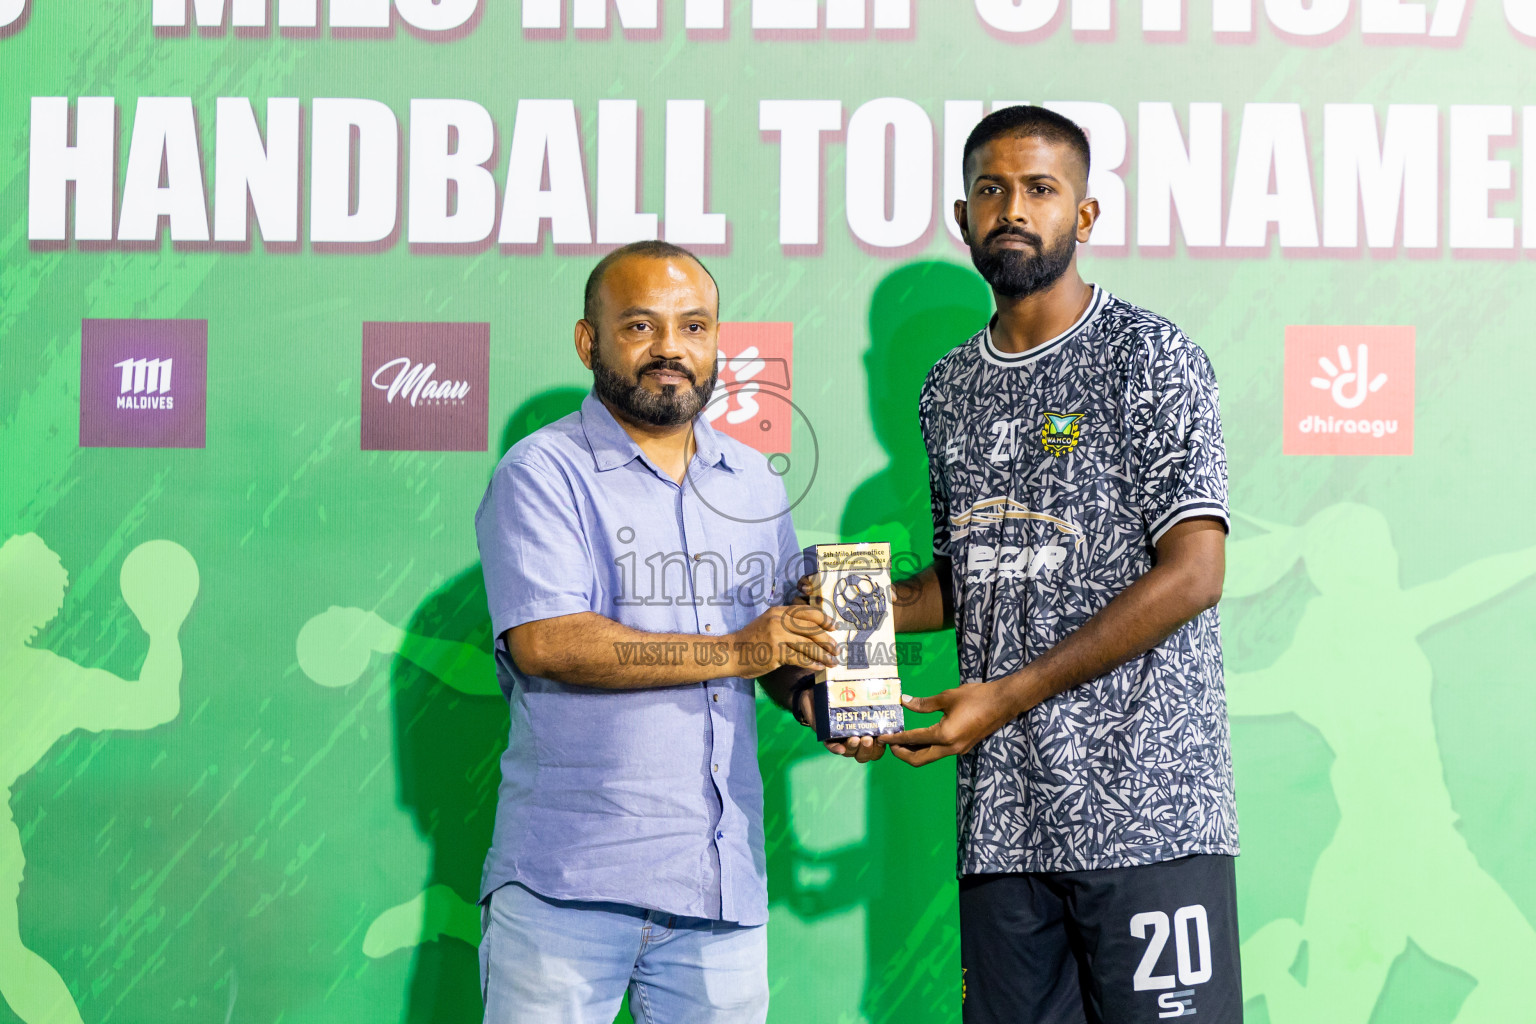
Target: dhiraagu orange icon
1349,390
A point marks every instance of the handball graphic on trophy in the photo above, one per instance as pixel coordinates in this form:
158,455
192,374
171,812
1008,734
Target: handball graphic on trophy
859,600
861,695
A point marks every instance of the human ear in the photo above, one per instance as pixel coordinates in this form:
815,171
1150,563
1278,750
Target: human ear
1087,215
586,337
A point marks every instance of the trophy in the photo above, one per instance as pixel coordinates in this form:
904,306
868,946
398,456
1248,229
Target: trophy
861,695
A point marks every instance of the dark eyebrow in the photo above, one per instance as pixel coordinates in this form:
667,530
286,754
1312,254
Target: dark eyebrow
625,314
1040,176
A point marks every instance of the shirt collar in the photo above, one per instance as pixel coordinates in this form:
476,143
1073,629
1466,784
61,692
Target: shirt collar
992,354
612,446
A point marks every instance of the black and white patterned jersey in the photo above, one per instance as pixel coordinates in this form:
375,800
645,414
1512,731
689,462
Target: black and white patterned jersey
1054,473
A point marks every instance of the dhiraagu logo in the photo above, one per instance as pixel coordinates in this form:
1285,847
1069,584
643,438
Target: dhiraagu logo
1349,390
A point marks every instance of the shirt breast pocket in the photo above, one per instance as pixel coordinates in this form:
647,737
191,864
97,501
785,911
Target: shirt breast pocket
753,584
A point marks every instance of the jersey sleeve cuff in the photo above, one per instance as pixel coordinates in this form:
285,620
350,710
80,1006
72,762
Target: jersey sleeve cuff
1191,508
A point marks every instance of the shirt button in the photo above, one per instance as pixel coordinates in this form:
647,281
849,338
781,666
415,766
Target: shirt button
717,698
719,835
717,768
709,627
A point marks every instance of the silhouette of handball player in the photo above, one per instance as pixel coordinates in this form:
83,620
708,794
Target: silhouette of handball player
334,649
1396,868
446,645
44,697
899,870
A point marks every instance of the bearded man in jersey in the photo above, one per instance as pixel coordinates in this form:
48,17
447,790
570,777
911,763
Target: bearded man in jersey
1080,515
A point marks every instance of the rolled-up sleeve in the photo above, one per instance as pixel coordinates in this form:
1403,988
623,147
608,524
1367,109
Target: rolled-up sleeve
533,549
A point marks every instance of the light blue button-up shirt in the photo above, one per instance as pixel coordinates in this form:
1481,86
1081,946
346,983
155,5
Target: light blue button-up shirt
650,798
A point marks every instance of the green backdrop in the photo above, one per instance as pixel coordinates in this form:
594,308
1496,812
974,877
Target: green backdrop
227,839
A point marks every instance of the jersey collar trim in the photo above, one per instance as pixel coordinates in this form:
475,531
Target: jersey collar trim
992,354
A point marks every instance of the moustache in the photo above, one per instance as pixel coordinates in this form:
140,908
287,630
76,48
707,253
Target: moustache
1028,236
670,365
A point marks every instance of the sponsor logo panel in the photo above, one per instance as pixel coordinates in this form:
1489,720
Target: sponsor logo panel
751,402
143,383
425,386
1349,390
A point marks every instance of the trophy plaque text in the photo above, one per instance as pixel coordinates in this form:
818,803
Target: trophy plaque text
861,695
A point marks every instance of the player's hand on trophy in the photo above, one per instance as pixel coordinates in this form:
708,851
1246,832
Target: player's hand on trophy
971,714
861,748
793,634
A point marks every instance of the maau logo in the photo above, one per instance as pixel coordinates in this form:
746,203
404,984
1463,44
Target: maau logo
1349,390
143,383
425,387
413,382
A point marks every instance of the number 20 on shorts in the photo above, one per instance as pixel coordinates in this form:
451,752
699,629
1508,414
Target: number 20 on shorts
1191,934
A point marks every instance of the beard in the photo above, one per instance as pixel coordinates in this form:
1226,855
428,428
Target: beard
1015,273
673,406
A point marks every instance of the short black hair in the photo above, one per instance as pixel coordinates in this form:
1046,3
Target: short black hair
1026,122
648,249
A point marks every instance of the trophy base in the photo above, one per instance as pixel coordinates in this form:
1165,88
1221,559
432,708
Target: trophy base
841,722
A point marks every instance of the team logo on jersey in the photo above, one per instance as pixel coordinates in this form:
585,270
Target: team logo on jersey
1059,434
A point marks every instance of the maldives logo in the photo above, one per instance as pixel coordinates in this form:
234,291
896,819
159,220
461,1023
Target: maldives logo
425,386
1349,390
143,383
751,401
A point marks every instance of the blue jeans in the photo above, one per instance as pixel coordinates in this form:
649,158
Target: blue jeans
545,961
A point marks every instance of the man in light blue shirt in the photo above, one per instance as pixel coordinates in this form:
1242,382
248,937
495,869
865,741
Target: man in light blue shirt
639,568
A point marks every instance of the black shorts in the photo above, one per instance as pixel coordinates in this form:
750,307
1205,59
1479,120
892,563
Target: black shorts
1116,946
